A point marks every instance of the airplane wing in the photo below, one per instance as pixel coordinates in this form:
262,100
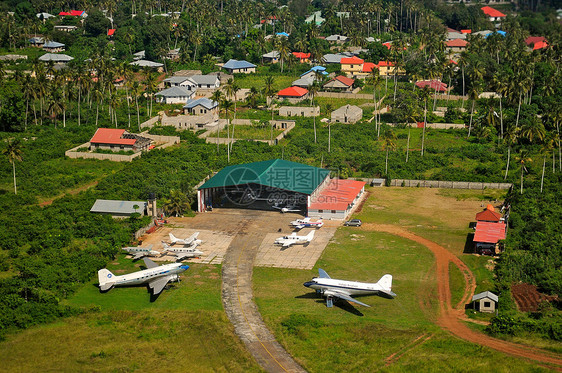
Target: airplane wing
345,297
182,256
138,256
158,285
300,226
149,263
287,244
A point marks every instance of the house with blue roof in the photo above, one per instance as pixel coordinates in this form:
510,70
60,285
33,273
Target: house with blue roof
201,106
316,70
53,47
239,67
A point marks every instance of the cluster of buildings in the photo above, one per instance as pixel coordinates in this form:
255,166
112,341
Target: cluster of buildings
490,229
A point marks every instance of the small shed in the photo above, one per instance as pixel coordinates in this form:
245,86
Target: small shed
485,302
119,209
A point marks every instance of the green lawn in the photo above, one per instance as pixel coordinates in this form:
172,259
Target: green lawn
252,132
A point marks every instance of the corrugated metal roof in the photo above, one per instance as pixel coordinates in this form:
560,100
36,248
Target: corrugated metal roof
175,91
293,92
485,294
491,12
235,64
338,195
55,57
488,215
110,206
275,173
352,61
488,232
111,136
204,101
53,44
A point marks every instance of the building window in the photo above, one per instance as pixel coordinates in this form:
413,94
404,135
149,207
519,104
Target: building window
320,211
487,304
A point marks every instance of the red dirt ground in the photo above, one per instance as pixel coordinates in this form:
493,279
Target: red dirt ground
451,318
528,297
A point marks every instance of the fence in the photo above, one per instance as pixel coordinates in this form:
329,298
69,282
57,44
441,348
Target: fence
449,184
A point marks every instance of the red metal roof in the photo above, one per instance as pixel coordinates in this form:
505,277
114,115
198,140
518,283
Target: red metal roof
457,43
453,62
351,61
110,32
491,12
337,195
111,136
387,44
385,63
368,67
489,232
534,39
540,45
433,84
76,12
467,31
293,92
301,55
345,80
488,215
64,14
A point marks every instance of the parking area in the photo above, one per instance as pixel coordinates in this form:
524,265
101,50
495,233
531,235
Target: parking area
219,227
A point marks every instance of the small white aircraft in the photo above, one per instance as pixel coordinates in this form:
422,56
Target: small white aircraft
332,288
185,241
288,208
140,251
156,276
306,223
293,239
182,252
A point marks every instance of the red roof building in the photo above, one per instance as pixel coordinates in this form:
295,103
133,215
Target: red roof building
301,55
459,43
466,31
73,13
540,45
368,67
488,232
488,215
293,93
337,198
532,40
110,32
435,85
118,139
491,12
345,80
352,61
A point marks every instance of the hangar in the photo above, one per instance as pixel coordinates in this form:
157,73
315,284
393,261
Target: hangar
265,185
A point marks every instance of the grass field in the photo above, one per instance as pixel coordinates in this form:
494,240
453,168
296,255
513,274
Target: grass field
250,132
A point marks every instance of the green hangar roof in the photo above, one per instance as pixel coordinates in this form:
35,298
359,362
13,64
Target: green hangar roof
275,173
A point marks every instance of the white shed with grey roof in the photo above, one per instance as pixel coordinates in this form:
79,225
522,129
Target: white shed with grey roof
304,82
180,81
485,301
174,95
206,81
119,209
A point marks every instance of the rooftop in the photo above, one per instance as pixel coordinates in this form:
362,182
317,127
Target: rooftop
301,55
235,64
146,63
491,12
337,195
275,173
352,61
488,215
488,232
175,91
293,92
457,43
205,102
55,57
485,294
432,84
111,136
109,206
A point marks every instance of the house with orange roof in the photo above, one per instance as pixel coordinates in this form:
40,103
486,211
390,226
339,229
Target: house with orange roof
352,66
536,42
302,57
494,15
340,84
116,139
456,45
336,199
293,94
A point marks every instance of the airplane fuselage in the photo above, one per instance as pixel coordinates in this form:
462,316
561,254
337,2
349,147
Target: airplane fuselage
147,275
348,287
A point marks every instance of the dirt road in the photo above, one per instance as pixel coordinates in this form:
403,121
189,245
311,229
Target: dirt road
450,318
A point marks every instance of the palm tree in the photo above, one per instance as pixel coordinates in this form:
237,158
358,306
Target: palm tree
389,143
424,94
14,153
523,159
177,203
329,110
283,49
313,90
511,137
546,147
269,91
226,106
252,97
217,96
533,130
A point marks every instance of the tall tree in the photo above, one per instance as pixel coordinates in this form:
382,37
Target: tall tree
14,153
389,143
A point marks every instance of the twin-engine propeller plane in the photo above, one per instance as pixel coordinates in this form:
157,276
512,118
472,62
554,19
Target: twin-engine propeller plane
332,288
189,241
182,253
157,277
306,223
140,251
293,239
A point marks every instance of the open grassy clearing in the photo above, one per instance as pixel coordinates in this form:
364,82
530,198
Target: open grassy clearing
456,284
250,132
162,340
280,81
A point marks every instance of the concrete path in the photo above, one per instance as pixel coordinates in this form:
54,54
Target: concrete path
238,302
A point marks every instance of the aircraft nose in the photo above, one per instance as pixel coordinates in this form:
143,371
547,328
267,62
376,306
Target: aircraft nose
309,283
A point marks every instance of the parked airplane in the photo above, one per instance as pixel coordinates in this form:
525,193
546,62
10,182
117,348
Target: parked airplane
156,276
293,239
182,252
185,241
139,251
307,223
288,208
332,288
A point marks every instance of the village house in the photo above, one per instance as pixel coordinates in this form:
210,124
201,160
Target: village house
271,57
299,111
347,114
56,58
456,45
201,106
146,64
116,139
53,47
433,85
293,94
65,28
239,67
302,57
493,14
536,42
338,39
352,66
211,81
340,84
180,81
37,41
485,302
174,95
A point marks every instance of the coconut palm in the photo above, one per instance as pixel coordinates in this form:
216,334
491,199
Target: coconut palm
313,90
546,147
533,130
177,203
329,110
523,159
14,153
511,137
389,143
269,91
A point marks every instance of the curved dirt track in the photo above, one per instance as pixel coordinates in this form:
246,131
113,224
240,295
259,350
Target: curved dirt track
450,318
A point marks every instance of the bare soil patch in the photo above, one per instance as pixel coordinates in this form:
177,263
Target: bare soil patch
528,298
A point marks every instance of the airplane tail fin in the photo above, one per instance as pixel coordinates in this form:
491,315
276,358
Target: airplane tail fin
165,247
310,236
172,238
386,284
105,279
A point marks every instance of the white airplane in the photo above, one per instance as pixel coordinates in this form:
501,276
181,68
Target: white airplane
185,241
156,276
139,251
182,252
332,288
306,223
288,208
293,239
